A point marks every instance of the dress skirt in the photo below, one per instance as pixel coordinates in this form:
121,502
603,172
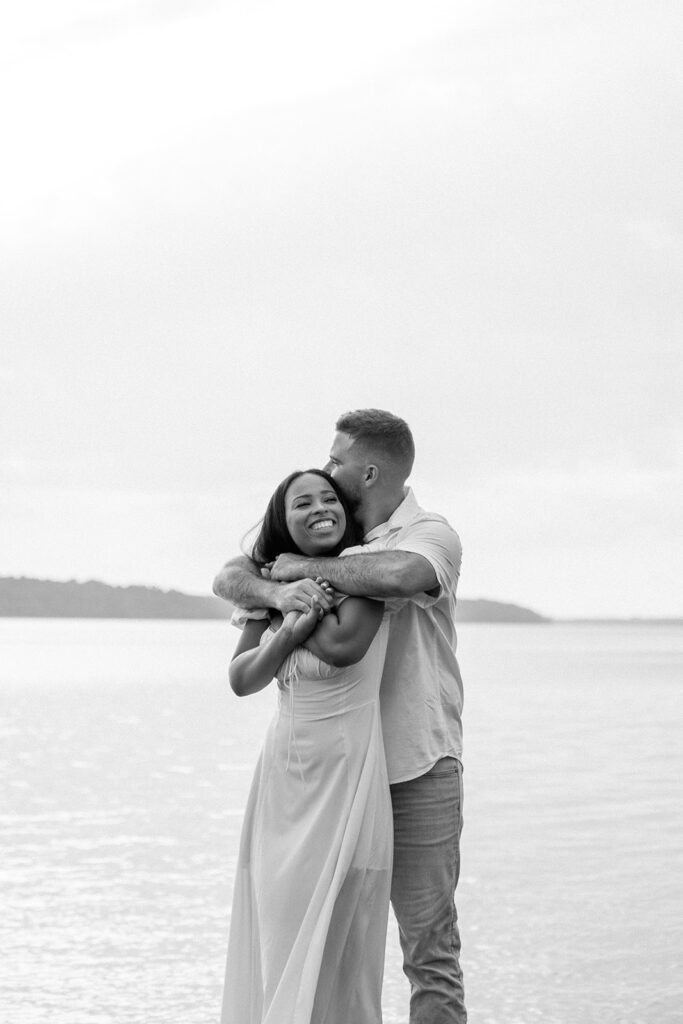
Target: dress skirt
311,899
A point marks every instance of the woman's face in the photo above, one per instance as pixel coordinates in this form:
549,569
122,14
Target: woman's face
314,515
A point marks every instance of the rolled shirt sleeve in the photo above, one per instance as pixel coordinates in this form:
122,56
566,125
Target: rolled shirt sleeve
440,545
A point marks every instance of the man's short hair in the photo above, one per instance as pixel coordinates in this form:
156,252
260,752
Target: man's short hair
382,433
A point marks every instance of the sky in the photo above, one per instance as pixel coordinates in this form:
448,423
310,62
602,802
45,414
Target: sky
224,224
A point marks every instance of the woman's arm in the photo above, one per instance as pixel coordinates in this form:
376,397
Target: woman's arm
253,666
344,636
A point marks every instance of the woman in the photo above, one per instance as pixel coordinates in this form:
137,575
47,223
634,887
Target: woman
309,917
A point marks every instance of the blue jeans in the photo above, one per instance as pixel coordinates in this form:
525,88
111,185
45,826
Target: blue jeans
427,827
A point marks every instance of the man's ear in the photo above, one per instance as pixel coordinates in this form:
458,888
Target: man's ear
370,476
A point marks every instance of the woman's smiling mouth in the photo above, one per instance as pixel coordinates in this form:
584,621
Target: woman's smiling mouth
322,524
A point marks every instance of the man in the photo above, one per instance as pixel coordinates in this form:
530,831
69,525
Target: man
413,556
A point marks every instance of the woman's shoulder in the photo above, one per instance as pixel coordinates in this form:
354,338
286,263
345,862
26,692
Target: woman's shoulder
241,616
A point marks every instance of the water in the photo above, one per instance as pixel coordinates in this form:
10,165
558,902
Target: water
125,762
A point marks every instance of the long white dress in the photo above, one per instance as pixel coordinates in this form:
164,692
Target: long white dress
309,915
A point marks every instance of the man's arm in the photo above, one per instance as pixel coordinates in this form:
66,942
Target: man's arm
379,574
241,582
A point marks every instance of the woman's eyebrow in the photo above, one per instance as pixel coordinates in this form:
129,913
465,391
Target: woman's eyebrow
323,494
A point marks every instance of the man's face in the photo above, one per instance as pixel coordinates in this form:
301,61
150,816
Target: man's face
346,467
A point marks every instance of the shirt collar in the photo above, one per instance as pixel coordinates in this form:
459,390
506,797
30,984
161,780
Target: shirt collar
400,517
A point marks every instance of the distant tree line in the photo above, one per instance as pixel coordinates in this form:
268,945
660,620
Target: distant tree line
31,598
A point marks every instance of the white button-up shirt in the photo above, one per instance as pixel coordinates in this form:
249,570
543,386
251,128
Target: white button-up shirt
421,695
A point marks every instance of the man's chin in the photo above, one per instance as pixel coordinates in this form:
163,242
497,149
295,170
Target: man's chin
352,500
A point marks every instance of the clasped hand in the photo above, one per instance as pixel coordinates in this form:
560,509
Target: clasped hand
296,594
288,568
302,624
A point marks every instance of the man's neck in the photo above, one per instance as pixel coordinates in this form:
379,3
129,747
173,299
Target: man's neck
381,508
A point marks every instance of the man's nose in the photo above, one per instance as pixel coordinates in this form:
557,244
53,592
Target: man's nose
329,468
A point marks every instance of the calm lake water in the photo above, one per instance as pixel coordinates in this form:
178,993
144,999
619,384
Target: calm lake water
125,762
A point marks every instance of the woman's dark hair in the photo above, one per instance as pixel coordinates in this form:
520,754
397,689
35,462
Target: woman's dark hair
274,537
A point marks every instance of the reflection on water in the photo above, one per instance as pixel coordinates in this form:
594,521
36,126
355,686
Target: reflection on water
125,762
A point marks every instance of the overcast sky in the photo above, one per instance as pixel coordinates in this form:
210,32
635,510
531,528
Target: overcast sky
226,223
